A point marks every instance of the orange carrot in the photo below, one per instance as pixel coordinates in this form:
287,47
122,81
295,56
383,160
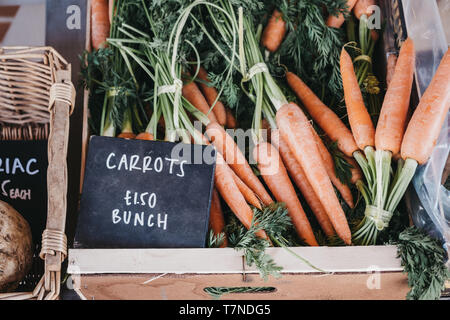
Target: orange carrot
298,175
360,121
111,8
296,130
231,122
248,193
236,160
324,116
145,136
363,7
338,21
99,23
392,120
265,125
390,68
224,182
275,175
328,163
216,219
211,94
126,135
426,123
274,32
193,94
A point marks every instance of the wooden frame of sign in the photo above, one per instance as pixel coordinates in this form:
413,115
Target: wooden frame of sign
372,272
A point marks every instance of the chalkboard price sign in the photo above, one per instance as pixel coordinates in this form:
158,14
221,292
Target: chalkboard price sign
23,181
145,194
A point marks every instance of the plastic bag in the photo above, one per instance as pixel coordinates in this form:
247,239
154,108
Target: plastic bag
428,200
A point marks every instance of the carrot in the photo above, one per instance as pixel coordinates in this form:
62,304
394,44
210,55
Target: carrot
216,219
126,135
211,94
392,120
355,170
363,7
274,32
231,122
265,125
224,182
111,8
338,21
275,175
236,160
360,121
145,136
425,124
99,23
193,94
390,68
324,116
328,163
248,193
296,172
296,130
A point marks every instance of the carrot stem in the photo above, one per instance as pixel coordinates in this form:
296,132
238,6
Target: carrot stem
399,188
364,191
108,129
381,200
127,125
369,151
281,244
383,169
351,36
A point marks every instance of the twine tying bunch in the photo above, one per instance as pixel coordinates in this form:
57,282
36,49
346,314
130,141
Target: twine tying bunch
379,216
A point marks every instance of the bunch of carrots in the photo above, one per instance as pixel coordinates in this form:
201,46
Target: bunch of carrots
294,153
411,144
294,147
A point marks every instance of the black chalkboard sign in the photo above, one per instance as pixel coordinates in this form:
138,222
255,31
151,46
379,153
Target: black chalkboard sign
145,194
23,181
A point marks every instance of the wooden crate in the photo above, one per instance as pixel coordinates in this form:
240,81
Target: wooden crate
357,272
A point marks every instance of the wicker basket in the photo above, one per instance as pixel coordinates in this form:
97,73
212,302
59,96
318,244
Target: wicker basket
36,100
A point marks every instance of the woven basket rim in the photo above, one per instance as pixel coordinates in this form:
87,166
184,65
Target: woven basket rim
26,75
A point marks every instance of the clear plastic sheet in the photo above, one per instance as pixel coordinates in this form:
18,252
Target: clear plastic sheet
428,200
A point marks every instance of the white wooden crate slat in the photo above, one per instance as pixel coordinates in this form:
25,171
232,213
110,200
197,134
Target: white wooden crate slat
228,260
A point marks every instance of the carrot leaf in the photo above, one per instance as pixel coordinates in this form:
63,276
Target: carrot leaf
215,240
341,165
423,259
310,47
275,221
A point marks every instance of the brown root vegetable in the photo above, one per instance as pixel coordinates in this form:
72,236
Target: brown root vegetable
16,248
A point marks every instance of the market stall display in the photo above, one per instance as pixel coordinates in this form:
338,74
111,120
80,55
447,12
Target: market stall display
242,147
263,209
